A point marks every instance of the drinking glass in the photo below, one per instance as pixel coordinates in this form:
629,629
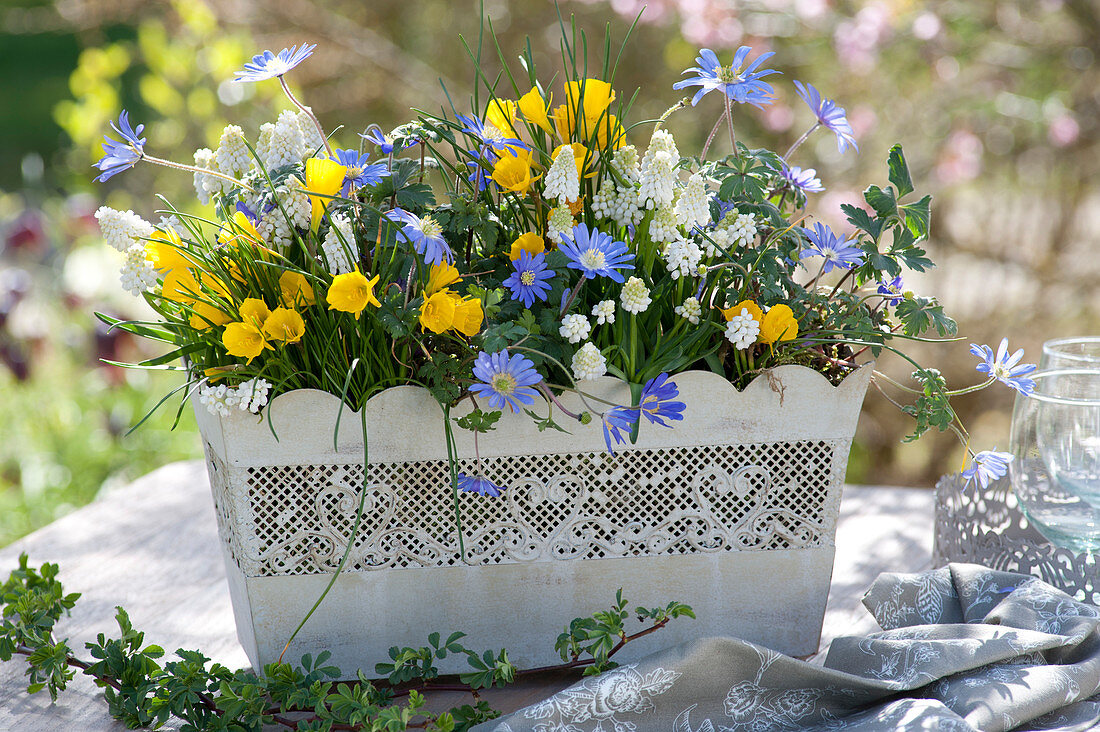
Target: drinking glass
1056,441
1078,352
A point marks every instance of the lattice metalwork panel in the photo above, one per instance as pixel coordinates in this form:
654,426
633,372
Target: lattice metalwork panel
987,527
563,506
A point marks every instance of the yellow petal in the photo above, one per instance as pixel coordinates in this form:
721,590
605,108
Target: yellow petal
326,177
468,316
441,276
529,242
437,314
534,109
295,290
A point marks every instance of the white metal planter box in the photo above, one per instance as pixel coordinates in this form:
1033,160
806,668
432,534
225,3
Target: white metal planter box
733,512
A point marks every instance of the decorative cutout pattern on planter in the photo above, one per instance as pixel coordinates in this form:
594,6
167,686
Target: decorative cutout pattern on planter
987,527
590,505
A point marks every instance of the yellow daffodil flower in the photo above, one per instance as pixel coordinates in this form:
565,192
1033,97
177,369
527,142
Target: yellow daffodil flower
326,177
239,230
778,325
180,286
753,308
351,293
295,290
440,276
437,314
501,113
254,310
204,315
164,252
244,340
284,326
535,108
513,173
591,97
468,316
529,242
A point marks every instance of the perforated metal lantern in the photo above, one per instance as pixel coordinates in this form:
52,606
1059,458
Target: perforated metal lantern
733,511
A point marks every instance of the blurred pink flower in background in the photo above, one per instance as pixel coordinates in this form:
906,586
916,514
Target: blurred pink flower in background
960,159
1063,130
857,40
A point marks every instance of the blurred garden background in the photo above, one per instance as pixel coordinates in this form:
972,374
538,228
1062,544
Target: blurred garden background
996,104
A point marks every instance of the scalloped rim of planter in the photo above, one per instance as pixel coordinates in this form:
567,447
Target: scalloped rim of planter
304,420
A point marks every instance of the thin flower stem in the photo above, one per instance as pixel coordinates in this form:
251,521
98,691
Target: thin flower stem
554,400
729,118
309,112
840,282
799,141
196,169
572,296
710,137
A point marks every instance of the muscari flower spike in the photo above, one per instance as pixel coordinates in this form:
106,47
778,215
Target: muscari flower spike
119,156
361,172
595,253
1005,368
805,180
425,234
829,115
529,280
838,253
742,85
268,65
479,484
987,466
505,380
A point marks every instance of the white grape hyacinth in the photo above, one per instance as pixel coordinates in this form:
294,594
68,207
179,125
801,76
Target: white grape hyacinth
563,182
121,229
252,395
206,185
718,238
213,398
693,206
232,156
658,181
575,328
682,258
664,227
604,312
690,310
285,145
742,330
337,250
137,274
588,363
311,136
635,296
743,229
560,221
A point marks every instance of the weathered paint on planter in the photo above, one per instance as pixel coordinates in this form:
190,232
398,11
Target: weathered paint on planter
733,512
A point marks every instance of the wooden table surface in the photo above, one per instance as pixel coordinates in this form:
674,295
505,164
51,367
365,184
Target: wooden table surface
152,547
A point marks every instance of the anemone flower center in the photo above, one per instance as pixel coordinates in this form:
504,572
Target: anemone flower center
830,254
430,228
354,171
727,75
527,278
593,259
503,383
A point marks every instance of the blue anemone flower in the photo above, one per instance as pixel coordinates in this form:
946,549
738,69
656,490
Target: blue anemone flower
838,252
268,65
988,465
489,135
479,484
595,253
528,282
505,380
803,180
615,421
656,403
742,85
891,291
425,234
480,176
386,144
829,115
361,172
1005,368
120,156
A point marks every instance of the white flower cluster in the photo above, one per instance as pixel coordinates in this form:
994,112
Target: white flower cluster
588,363
617,200
663,227
122,229
274,227
604,312
563,183
742,330
560,221
339,242
207,185
575,328
658,179
682,258
742,229
137,274
690,310
311,136
232,156
635,296
249,396
693,205
281,143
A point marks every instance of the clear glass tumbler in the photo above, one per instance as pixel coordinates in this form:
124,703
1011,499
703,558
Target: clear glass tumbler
1077,352
1056,441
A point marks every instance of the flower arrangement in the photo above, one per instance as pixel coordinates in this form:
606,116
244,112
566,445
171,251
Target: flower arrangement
527,247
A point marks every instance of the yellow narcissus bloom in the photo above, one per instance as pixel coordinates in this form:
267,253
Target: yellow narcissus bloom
205,315
529,242
535,108
440,276
591,96
468,316
512,172
180,286
437,314
753,308
778,325
240,230
351,293
295,290
164,252
244,340
284,326
609,134
501,113
322,176
254,310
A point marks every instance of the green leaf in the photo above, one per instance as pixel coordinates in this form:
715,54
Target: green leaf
882,201
917,216
862,220
899,171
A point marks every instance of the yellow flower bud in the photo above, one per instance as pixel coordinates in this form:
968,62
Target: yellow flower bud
437,314
501,113
164,252
513,173
205,315
244,340
351,293
284,326
239,230
295,290
534,109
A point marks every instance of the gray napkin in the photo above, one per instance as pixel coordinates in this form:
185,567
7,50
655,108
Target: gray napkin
962,648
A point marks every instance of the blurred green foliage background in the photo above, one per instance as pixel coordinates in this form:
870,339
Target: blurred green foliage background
995,102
